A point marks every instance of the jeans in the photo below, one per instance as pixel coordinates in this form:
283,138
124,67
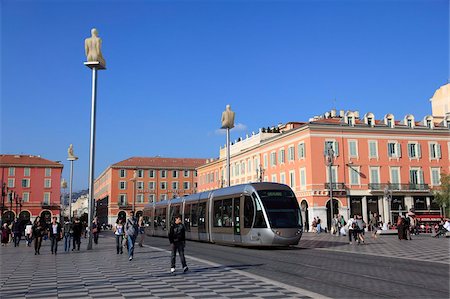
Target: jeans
178,246
54,240
119,241
28,238
17,237
319,228
67,239
131,240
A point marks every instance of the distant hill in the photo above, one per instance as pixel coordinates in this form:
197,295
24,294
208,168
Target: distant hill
75,196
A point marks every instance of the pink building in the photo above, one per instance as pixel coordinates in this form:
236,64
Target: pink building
30,187
382,165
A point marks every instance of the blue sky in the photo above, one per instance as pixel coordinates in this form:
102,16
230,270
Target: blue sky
174,65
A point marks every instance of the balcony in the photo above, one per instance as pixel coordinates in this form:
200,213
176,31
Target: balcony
50,205
124,205
336,186
400,187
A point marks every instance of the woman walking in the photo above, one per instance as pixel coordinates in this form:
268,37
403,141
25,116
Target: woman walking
5,234
95,229
38,232
141,231
119,232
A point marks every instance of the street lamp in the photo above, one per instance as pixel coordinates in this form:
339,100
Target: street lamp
4,194
260,173
64,187
388,197
71,157
329,154
133,179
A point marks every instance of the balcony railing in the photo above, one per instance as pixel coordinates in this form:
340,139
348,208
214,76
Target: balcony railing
50,205
399,187
124,205
336,186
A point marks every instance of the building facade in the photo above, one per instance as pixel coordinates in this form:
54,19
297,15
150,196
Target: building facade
382,165
137,181
30,187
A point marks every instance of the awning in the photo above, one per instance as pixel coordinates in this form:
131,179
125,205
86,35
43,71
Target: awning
428,217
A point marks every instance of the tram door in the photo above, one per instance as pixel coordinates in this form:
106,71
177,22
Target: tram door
237,219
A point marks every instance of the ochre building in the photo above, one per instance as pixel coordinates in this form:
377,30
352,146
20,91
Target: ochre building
381,164
137,181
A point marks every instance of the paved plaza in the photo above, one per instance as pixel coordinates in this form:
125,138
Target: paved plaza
101,273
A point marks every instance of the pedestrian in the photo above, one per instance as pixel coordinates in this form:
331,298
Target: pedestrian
95,229
400,227
141,231
38,233
177,239
68,232
55,234
373,224
77,229
17,231
5,234
319,226
360,229
29,233
351,225
119,233
131,230
314,225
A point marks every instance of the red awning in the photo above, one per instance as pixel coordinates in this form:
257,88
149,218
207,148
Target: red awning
428,217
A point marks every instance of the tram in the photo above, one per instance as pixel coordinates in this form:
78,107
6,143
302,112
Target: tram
253,214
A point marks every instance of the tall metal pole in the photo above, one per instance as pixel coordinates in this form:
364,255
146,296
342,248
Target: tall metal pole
92,155
228,158
331,190
70,190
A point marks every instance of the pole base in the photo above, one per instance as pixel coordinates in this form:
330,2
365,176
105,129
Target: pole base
95,64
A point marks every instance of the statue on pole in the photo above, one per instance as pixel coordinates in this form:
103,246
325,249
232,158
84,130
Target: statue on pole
70,155
228,118
93,48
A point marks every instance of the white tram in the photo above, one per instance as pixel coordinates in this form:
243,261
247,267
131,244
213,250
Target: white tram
254,214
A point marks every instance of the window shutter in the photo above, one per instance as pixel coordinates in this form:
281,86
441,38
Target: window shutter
336,148
399,150
419,151
421,177
388,149
438,148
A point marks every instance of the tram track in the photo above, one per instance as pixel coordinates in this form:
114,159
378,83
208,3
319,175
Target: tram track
287,267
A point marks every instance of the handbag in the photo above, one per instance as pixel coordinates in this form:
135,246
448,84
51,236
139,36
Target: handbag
94,230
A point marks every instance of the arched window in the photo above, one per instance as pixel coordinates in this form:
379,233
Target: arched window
369,119
409,121
389,120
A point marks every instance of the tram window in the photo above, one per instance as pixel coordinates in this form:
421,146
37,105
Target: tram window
194,215
187,217
217,213
260,222
249,212
201,215
161,218
173,212
227,213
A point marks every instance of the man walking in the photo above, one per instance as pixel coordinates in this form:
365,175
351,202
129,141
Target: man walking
55,234
77,229
131,230
177,240
17,232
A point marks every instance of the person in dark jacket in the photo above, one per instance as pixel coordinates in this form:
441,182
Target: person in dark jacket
17,232
95,229
55,234
38,233
177,238
77,229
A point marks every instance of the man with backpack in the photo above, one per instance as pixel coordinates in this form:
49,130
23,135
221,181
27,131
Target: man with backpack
177,241
131,231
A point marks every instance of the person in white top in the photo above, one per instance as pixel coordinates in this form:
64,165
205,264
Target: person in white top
447,225
119,233
28,233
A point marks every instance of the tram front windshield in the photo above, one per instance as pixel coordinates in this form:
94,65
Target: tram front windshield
281,207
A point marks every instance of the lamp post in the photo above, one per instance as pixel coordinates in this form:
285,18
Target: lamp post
4,194
330,157
71,157
260,173
133,179
64,187
388,197
95,62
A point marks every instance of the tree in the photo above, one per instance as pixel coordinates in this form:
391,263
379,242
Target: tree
442,193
